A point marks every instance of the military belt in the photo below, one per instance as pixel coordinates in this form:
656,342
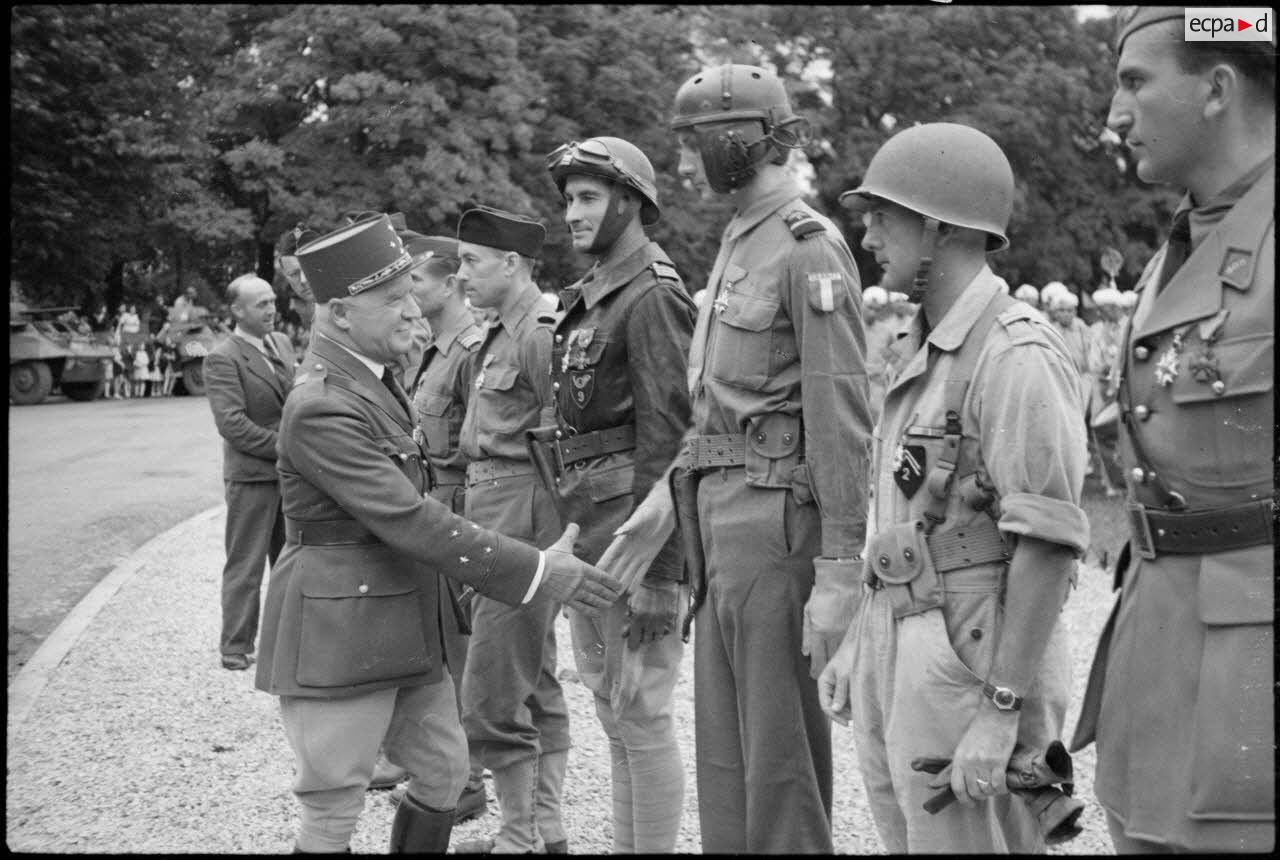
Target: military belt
597,443
328,533
957,549
716,452
1174,533
497,467
449,477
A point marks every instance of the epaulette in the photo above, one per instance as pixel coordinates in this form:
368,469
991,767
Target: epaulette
802,224
1023,323
317,372
665,271
472,337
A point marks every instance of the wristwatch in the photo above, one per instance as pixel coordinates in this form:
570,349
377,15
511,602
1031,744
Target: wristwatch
1002,697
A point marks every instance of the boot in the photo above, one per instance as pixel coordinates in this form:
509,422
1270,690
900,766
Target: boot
551,770
419,829
515,786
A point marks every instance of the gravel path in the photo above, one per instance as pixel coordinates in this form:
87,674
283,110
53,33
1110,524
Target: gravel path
141,743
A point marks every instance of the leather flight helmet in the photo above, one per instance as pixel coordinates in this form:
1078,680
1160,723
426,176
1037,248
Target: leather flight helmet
611,158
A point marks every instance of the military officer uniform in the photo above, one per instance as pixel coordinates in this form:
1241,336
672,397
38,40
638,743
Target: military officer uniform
513,707
351,634
1181,697
780,429
619,365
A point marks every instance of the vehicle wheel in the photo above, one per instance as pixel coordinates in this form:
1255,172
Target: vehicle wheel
193,377
30,382
83,391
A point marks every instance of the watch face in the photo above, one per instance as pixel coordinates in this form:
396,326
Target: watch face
1004,698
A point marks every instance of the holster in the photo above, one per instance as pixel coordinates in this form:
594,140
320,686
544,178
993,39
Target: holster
542,454
684,494
900,562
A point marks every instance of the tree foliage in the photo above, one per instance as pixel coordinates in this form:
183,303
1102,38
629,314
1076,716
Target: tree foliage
178,142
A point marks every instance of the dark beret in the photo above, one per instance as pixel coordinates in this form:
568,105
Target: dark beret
505,231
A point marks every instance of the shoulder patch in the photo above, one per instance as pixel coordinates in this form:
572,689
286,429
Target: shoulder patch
472,337
827,290
665,271
1024,324
803,225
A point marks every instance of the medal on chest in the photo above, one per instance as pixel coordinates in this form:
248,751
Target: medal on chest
1167,365
575,349
488,360
908,468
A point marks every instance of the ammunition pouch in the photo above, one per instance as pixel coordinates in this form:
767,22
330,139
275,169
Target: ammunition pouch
898,560
773,450
684,495
908,562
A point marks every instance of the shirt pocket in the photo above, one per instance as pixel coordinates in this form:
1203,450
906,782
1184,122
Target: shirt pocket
499,410
1227,427
436,418
744,334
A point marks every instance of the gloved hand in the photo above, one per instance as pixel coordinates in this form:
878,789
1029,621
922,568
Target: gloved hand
638,541
575,583
651,612
837,583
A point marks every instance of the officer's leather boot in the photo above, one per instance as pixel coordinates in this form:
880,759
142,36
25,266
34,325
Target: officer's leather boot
515,785
551,770
419,829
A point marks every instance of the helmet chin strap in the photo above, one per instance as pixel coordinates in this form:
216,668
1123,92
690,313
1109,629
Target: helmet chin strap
616,218
929,242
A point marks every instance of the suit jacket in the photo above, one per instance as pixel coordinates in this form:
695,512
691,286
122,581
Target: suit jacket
357,607
247,395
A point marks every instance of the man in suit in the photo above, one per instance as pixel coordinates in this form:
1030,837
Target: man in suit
351,638
248,376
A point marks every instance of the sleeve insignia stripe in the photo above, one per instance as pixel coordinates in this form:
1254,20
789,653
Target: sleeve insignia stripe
822,289
803,224
665,270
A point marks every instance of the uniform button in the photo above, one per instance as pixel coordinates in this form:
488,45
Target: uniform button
1138,475
884,561
363,589
555,386
319,367
559,338
786,438
559,435
975,633
760,437
908,555
1218,386
1141,353
1142,413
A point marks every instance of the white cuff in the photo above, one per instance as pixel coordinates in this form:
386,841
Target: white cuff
537,578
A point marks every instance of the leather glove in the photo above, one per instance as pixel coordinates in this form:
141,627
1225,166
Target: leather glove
574,582
837,583
651,612
638,541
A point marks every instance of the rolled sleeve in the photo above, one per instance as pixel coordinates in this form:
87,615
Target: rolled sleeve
1031,420
834,397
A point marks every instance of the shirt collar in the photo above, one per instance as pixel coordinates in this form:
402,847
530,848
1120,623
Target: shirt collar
602,280
256,342
512,318
374,367
1204,218
951,330
761,209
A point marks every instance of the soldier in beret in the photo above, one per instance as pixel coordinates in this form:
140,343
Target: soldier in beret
351,635
513,708
1181,697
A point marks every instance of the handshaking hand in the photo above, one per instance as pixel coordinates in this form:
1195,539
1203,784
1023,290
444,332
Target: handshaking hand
638,541
574,582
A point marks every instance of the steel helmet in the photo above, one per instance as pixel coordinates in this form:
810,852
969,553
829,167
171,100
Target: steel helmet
874,297
734,93
943,170
611,158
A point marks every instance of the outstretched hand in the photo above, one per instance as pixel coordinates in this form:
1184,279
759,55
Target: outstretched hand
575,583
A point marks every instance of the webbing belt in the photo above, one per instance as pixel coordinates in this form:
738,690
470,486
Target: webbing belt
716,452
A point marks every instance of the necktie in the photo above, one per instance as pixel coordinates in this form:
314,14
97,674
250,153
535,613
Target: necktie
277,363
389,380
1178,248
